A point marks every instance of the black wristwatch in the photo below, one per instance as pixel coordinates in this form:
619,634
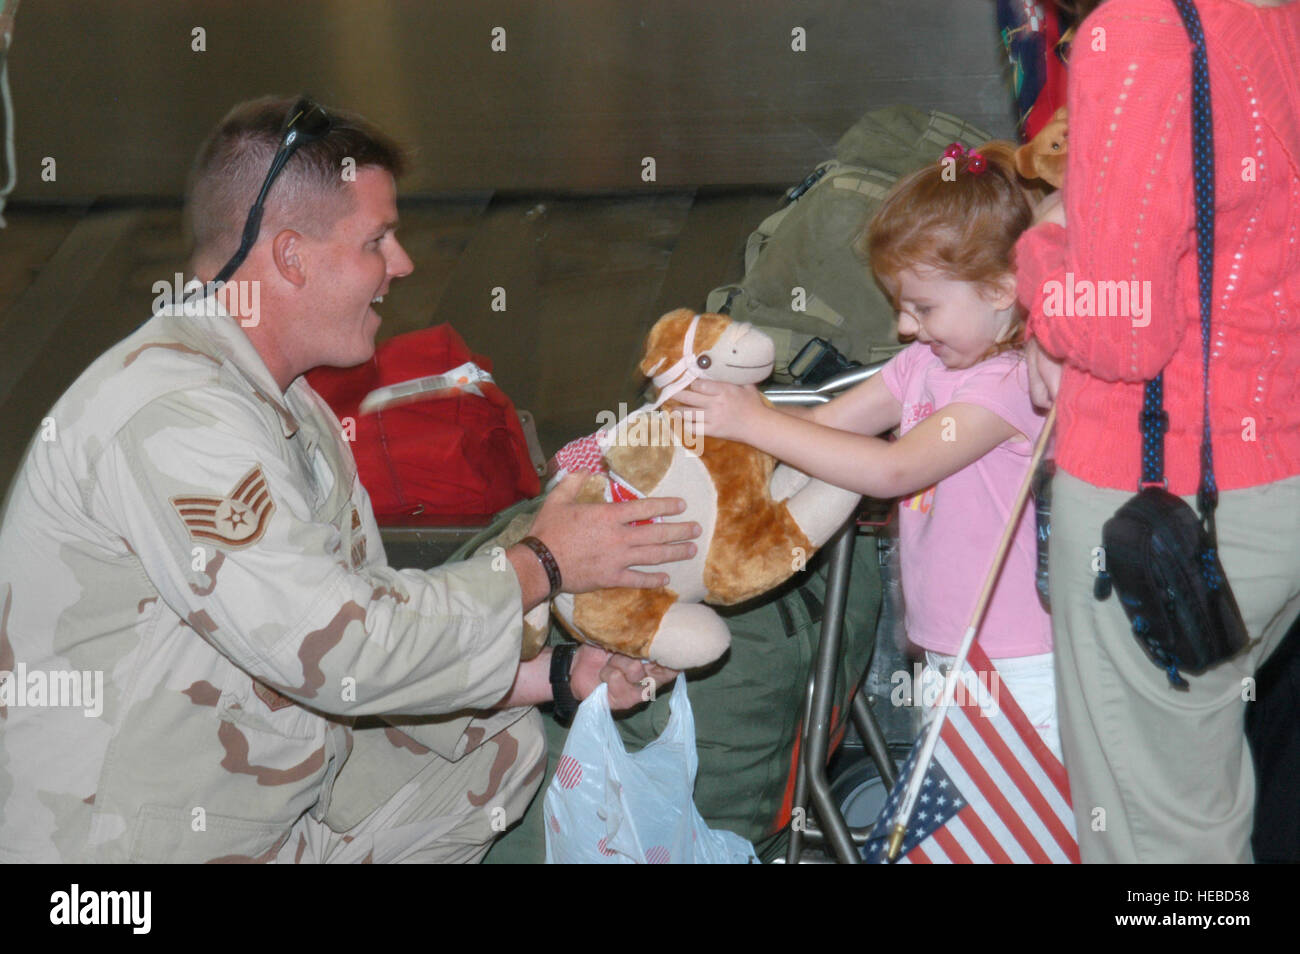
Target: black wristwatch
561,662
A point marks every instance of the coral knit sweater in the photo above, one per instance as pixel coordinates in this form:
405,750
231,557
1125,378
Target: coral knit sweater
1130,217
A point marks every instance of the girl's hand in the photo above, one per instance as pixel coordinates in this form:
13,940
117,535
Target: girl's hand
729,411
1051,209
1044,374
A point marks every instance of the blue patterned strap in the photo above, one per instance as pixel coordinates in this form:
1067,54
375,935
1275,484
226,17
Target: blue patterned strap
1154,422
1153,419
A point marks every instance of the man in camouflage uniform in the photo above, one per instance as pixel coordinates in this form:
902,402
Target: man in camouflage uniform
189,526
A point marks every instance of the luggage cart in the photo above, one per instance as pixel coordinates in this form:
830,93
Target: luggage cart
420,542
812,790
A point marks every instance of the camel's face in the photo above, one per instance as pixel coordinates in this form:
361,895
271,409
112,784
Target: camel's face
740,354
722,349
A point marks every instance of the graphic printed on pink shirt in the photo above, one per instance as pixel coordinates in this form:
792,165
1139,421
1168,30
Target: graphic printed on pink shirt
914,414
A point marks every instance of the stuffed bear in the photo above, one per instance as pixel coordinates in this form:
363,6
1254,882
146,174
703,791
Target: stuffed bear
761,521
1043,157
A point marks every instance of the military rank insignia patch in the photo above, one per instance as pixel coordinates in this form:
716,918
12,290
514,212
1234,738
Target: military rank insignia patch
235,520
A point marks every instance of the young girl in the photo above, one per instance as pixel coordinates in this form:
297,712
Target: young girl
940,245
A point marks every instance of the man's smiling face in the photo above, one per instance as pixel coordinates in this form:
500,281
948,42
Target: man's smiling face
349,269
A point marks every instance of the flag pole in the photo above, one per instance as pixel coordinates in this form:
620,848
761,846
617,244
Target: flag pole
908,804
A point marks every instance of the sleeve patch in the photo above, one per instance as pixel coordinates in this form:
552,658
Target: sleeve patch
236,520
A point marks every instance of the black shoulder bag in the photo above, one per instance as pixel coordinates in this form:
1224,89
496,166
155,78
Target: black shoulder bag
1162,558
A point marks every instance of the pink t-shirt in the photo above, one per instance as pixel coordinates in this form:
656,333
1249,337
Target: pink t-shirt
949,532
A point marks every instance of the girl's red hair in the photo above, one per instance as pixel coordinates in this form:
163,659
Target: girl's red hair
961,223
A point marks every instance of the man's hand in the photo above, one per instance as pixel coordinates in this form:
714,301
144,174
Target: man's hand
624,675
596,543
733,412
1044,374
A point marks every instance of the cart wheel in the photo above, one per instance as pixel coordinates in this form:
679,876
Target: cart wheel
860,791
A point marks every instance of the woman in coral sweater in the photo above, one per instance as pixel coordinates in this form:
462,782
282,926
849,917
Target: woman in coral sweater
1157,774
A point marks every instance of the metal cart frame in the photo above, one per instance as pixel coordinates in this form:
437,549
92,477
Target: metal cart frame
812,787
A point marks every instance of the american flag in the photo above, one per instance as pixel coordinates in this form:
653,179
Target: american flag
994,792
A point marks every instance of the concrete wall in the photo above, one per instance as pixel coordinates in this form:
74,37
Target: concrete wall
115,93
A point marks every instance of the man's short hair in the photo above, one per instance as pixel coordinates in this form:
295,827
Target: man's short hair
309,195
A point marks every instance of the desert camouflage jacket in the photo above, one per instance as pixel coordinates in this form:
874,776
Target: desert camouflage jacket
194,604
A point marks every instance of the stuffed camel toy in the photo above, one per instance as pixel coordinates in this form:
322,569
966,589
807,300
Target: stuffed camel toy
761,521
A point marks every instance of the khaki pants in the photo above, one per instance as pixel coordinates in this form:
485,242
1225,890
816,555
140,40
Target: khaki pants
1157,774
450,812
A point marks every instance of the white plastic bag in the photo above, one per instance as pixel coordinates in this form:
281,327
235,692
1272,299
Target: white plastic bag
606,806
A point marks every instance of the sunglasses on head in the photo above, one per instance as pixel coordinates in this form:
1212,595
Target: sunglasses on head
306,121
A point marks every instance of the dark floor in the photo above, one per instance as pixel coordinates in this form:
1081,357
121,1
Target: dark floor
584,276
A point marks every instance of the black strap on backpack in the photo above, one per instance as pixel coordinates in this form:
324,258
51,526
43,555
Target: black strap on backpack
1160,557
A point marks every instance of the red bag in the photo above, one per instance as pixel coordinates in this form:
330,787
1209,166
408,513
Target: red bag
456,451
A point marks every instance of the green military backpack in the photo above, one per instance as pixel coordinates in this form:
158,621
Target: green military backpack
802,278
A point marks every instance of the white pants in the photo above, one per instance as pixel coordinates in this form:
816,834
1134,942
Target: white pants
1030,680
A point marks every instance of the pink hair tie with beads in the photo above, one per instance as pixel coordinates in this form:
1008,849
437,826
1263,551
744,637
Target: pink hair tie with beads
977,162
